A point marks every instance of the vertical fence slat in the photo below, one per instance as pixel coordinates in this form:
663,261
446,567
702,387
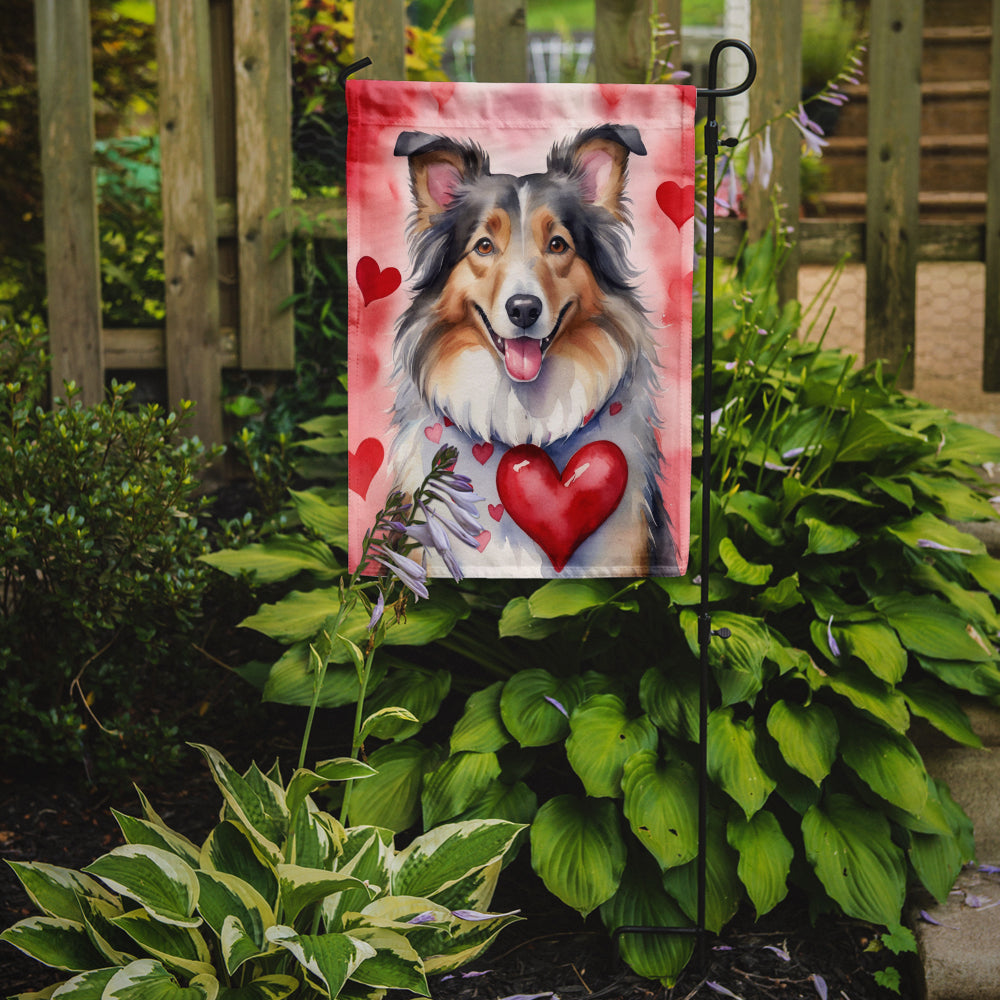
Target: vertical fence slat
776,35
380,34
991,332
72,257
893,183
261,57
501,41
621,40
190,253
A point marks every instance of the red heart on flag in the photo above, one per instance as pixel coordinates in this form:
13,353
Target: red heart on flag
676,202
560,512
481,452
373,281
363,464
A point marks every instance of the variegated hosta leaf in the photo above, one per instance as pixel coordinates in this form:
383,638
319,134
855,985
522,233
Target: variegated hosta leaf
888,763
301,887
456,784
54,941
441,857
391,799
158,880
535,706
304,782
466,941
765,858
807,736
225,897
481,727
732,760
475,891
147,979
602,737
367,853
642,902
141,831
395,964
274,987
661,805
315,838
850,847
329,959
98,915
56,891
177,947
230,849
578,851
86,986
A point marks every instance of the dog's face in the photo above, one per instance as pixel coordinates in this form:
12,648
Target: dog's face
522,282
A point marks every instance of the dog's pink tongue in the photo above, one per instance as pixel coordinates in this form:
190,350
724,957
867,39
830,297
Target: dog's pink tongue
523,357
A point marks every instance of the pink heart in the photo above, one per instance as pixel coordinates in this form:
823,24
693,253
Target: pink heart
373,281
442,93
560,512
433,433
676,202
363,464
481,452
496,510
614,409
612,93
483,539
679,289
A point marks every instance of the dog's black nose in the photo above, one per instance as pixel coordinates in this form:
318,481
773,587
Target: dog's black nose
523,310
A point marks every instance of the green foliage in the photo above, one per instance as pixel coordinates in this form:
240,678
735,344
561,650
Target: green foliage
280,899
101,587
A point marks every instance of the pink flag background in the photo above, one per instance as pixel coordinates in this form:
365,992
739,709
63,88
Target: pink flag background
517,125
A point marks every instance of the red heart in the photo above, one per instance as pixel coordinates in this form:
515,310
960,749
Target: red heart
560,511
676,202
363,464
433,433
614,409
496,510
374,282
481,452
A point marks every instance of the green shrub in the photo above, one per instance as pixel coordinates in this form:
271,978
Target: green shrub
99,542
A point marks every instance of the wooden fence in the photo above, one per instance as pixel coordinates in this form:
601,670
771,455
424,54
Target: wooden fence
226,161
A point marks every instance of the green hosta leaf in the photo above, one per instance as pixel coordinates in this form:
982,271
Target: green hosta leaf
807,736
732,760
783,595
225,897
147,979
928,528
941,709
965,443
56,891
827,539
481,728
530,706
738,661
279,558
558,598
516,803
641,901
292,680
415,689
888,763
275,987
671,700
602,738
684,593
765,858
752,574
517,620
758,511
395,964
893,488
723,889
976,678
438,859
932,628
876,646
387,723
975,605
870,436
661,799
304,782
456,784
330,959
937,859
141,831
986,572
391,798
957,501
230,849
327,520
578,851
159,881
54,941
180,948
864,691
301,887
850,848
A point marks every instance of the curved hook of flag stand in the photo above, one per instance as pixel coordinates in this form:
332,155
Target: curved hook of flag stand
705,631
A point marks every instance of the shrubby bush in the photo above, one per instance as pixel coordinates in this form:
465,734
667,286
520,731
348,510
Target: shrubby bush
101,584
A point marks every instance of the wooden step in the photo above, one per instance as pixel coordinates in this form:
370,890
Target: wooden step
958,206
956,53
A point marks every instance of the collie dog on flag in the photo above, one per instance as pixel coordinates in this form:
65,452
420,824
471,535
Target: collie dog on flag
526,346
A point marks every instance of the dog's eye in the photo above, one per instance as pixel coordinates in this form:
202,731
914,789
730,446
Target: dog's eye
484,247
558,245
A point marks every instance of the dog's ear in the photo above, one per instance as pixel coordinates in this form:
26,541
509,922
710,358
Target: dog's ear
438,167
598,159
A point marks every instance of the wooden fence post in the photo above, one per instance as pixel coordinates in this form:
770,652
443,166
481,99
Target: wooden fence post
501,41
72,255
190,251
892,214
776,35
991,332
262,61
380,34
622,40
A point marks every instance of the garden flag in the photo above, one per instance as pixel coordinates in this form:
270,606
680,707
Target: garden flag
520,269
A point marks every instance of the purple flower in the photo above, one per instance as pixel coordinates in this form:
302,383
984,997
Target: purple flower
719,988
427,917
820,983
812,134
377,611
410,573
475,915
927,543
558,705
834,648
761,162
780,952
